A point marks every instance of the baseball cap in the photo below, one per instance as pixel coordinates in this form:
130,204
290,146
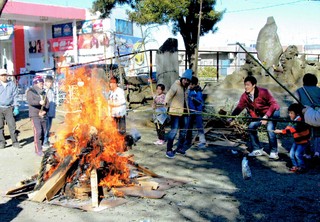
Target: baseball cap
3,72
37,79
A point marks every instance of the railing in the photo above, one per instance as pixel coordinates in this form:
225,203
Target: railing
225,62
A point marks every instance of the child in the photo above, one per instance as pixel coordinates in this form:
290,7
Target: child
52,109
160,115
301,134
195,102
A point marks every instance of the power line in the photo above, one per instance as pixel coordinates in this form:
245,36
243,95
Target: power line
264,7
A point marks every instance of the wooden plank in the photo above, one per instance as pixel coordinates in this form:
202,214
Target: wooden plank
24,189
94,188
143,169
55,182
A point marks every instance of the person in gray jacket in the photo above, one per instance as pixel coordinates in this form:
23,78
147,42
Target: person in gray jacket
9,107
38,108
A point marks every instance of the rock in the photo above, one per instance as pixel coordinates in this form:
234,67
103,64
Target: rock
268,45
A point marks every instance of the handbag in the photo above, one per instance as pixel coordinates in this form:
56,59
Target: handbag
315,106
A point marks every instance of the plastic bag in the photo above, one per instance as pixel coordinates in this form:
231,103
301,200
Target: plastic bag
246,172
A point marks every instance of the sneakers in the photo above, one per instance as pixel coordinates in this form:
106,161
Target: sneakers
40,153
294,169
46,146
170,154
307,156
298,170
16,145
256,153
159,142
201,145
180,151
274,156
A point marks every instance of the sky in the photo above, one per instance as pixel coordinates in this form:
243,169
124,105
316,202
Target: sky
298,22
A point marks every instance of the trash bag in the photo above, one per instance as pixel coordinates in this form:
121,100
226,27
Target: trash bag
246,172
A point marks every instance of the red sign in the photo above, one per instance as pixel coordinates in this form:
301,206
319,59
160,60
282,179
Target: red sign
61,44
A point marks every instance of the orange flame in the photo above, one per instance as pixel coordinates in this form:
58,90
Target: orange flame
88,123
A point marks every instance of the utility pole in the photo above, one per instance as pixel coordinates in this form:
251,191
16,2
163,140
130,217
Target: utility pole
197,46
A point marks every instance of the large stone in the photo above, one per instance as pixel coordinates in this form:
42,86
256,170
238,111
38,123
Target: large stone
268,44
167,63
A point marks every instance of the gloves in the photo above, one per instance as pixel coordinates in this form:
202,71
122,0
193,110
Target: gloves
15,111
42,102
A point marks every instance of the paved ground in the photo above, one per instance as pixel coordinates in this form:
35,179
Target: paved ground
215,192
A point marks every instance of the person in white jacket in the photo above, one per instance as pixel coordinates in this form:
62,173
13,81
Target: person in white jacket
117,104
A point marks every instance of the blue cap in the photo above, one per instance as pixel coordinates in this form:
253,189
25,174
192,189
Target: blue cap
187,74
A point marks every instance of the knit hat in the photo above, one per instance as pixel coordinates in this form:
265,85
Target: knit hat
37,79
3,72
187,74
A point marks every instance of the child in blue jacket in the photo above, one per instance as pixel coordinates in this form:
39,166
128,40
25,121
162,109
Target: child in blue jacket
195,102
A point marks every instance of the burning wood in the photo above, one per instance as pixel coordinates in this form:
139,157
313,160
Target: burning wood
88,158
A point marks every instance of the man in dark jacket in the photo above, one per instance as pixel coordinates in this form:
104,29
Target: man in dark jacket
9,108
260,104
38,106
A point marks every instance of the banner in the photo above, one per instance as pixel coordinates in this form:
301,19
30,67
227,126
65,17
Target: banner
61,44
62,30
90,26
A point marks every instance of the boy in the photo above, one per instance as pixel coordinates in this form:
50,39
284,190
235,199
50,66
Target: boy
301,134
51,114
195,101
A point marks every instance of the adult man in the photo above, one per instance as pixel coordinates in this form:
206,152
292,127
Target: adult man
9,108
38,107
309,95
179,112
117,104
260,104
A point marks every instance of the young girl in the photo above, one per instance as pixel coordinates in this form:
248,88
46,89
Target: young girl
160,115
301,135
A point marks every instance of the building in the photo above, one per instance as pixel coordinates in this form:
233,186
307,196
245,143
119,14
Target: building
40,37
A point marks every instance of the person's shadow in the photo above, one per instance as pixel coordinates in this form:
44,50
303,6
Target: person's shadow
10,209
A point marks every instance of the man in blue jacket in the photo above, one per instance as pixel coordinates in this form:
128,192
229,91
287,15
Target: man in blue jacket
9,108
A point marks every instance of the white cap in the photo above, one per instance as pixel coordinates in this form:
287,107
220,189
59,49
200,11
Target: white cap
3,72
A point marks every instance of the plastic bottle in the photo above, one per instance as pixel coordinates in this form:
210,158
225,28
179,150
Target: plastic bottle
246,172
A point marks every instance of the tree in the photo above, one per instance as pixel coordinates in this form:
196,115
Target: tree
183,14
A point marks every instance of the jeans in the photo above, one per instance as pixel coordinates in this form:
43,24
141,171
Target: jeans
271,125
296,154
199,124
47,133
6,114
177,122
121,124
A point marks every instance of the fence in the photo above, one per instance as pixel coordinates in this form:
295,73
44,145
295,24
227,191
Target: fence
225,63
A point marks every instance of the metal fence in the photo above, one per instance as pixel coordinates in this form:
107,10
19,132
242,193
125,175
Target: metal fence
225,63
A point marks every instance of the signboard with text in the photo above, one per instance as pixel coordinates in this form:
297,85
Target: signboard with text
61,44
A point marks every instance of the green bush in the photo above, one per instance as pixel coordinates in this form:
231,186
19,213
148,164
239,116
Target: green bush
207,72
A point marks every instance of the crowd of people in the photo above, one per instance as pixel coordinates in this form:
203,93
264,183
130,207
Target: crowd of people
182,105
184,102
